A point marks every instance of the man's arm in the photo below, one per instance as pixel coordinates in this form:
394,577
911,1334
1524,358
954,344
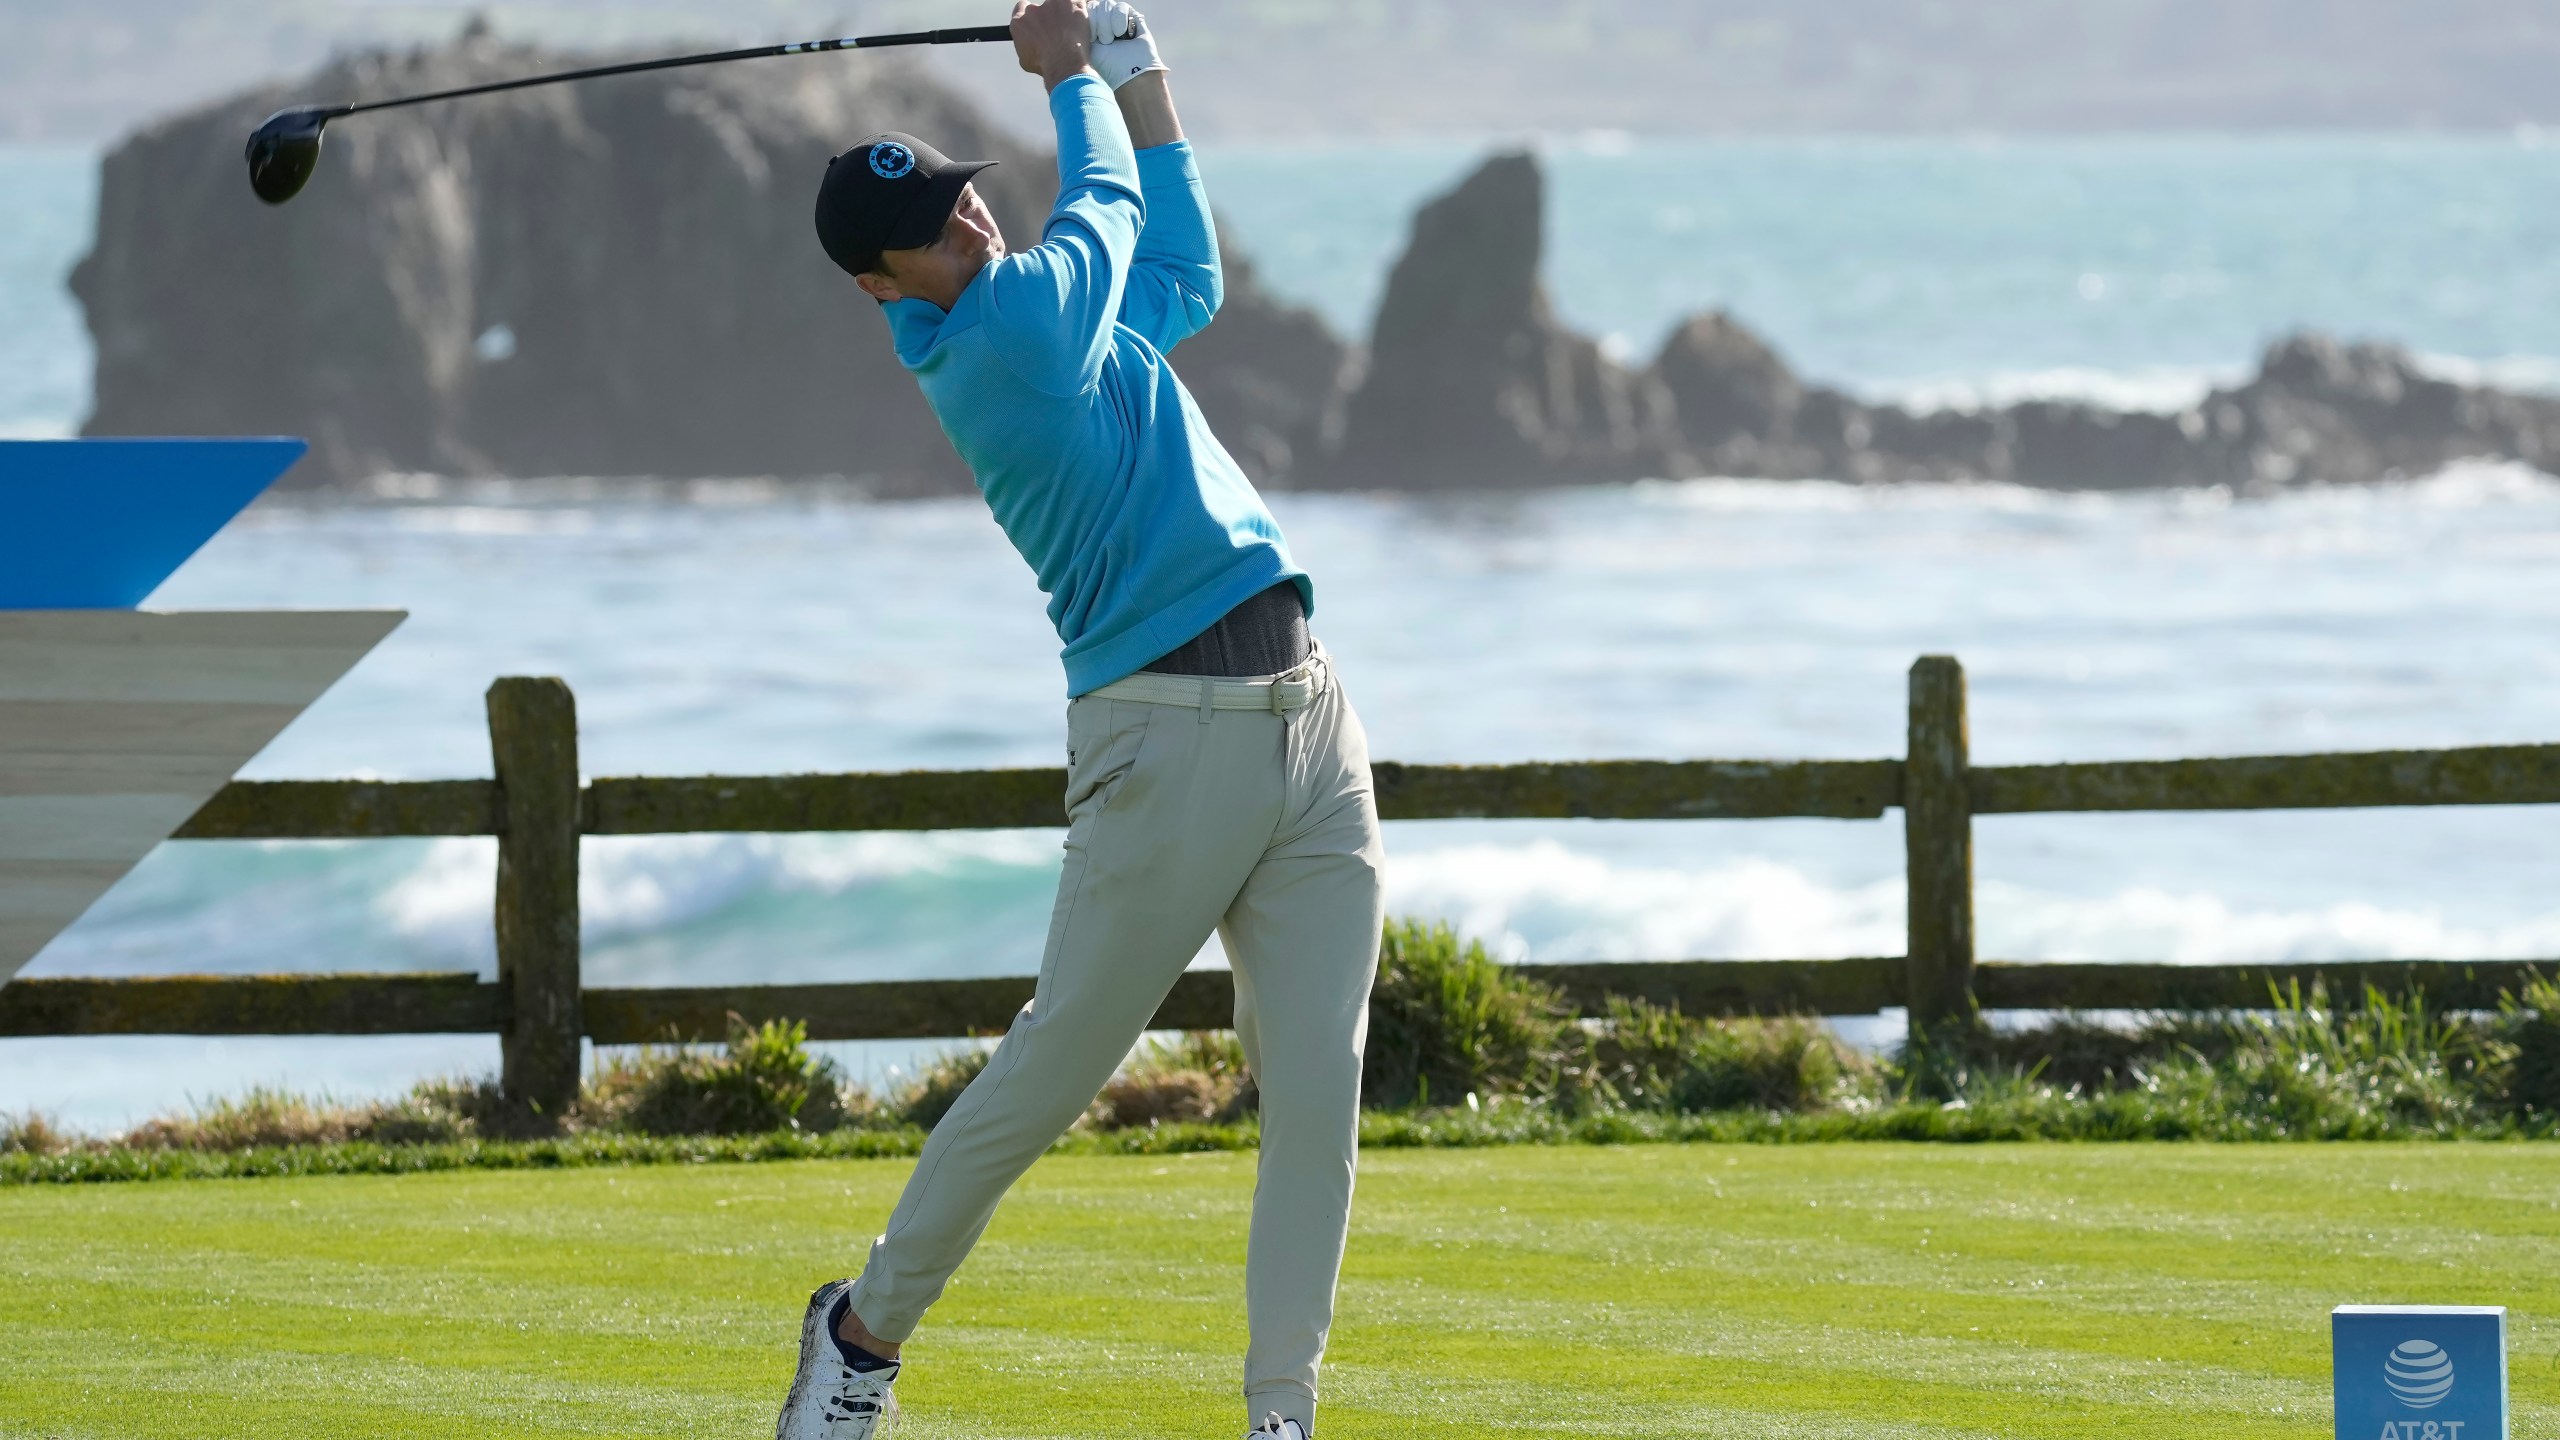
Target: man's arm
1175,284
1146,105
1049,310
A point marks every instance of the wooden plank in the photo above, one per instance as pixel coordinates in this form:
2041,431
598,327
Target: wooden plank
116,829
115,726
345,810
1733,987
2457,984
108,772
223,733
457,1003
1004,799
1205,999
1639,790
1937,842
2476,775
250,658
906,800
878,1010
533,740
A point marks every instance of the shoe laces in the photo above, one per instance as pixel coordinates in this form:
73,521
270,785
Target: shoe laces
857,1394
1273,1425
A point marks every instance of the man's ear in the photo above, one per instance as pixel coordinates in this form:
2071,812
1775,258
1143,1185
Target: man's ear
879,287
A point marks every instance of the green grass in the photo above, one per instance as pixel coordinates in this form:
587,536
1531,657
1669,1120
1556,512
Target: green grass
1801,1291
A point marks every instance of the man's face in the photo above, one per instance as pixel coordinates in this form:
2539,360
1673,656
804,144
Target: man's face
940,271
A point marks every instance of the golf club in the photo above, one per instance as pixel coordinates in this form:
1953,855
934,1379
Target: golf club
283,150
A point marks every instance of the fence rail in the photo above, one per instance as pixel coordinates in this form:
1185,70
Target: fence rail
539,811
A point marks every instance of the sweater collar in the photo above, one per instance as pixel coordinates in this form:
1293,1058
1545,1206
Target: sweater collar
917,326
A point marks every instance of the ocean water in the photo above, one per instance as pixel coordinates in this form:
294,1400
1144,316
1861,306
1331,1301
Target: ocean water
734,626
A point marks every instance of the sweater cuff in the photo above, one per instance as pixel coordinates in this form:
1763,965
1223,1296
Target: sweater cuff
1168,164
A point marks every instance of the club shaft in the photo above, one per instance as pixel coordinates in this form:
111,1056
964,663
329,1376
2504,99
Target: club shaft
966,36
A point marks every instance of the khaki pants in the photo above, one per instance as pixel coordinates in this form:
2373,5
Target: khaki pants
1183,818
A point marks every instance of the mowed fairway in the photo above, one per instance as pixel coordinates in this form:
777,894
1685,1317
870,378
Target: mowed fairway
1833,1291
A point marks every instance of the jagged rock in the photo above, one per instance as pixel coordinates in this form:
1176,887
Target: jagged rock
2318,411
1735,402
2324,410
610,278
1472,382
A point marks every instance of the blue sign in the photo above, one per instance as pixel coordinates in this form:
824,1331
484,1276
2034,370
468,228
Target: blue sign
2420,1372
98,524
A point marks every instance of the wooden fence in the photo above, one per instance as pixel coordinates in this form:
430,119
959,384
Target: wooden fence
538,811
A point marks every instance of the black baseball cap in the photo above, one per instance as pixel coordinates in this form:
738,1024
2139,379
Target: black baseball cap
890,192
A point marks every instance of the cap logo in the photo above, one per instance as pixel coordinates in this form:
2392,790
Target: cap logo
891,160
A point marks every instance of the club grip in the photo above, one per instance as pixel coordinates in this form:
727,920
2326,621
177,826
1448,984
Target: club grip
966,36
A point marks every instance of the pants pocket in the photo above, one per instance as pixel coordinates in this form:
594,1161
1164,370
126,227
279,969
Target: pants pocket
1104,739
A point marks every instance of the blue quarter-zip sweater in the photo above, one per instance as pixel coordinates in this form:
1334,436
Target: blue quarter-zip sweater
1049,375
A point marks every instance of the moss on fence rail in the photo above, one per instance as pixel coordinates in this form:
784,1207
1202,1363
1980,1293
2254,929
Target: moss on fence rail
1600,789
345,810
459,1002
2479,775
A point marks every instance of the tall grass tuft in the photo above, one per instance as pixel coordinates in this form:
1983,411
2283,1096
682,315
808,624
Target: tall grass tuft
2531,1020
937,1087
1447,1021
31,1133
765,1079
1199,1077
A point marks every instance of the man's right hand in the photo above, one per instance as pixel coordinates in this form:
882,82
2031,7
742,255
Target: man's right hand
1053,38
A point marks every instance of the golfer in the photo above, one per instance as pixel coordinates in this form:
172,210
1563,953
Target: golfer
1216,776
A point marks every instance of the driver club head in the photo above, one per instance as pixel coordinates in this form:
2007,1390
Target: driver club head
283,151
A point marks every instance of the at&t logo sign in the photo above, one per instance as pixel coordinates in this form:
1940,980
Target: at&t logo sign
2420,1372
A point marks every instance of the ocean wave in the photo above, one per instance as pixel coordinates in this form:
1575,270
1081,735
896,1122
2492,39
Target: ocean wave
629,886
2527,374
2463,485
1545,901
2201,929
2159,389
751,905
2167,389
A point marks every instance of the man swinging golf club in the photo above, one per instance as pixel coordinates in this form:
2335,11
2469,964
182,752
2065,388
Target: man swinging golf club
1217,778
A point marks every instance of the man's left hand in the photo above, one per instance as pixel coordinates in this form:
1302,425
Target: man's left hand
1053,38
1124,48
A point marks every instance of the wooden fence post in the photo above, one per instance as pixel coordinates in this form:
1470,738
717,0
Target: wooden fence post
533,739
1937,840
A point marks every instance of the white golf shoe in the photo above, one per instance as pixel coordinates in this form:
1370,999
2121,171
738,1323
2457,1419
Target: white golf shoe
1273,1425
830,1400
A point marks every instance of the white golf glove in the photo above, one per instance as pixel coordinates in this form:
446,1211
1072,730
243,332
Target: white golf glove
1123,47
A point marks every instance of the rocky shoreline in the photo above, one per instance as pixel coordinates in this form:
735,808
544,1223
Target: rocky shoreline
616,279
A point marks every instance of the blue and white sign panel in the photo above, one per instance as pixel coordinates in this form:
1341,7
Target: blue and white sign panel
2420,1372
98,524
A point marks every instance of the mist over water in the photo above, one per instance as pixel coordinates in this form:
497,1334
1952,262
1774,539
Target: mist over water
743,628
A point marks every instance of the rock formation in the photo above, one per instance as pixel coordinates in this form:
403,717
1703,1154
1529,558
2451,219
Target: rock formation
2318,410
1472,382
611,278
618,278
